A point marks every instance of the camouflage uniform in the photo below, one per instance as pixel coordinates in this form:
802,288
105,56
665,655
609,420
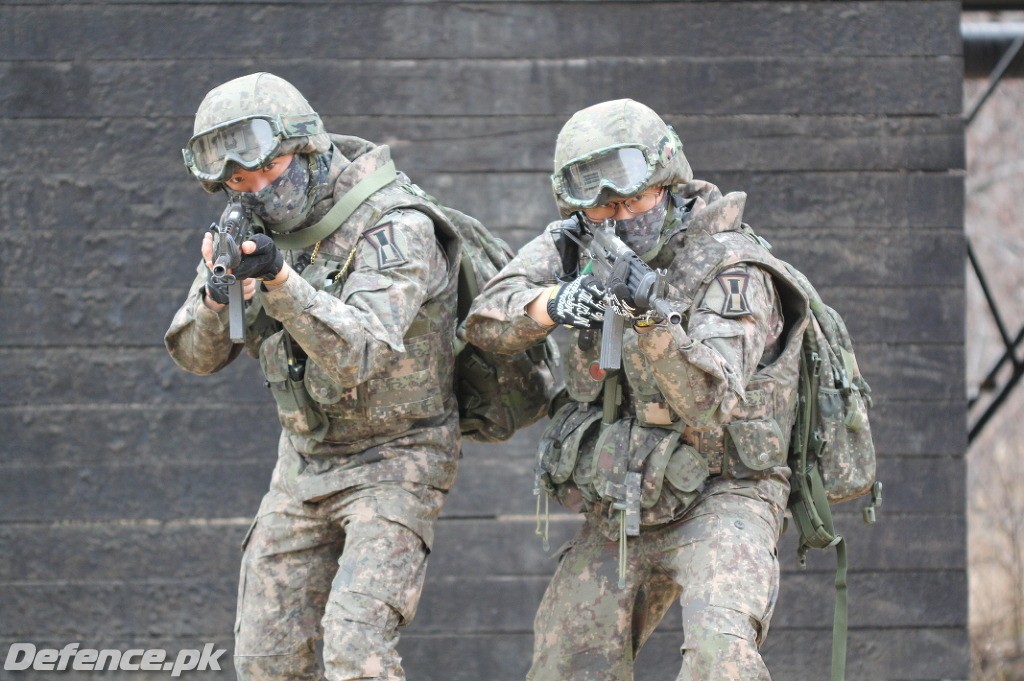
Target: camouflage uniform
704,405
370,437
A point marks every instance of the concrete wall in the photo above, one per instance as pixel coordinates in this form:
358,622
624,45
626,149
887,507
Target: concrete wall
126,484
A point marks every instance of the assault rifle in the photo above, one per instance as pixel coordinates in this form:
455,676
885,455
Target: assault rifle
626,277
235,226
633,290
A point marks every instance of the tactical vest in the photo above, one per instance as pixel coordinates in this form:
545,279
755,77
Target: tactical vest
648,462
409,387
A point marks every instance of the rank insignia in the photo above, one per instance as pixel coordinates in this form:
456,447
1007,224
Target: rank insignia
382,238
734,286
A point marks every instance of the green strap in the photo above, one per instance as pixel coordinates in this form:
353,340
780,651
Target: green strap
612,397
544,526
826,531
839,618
623,551
610,414
340,212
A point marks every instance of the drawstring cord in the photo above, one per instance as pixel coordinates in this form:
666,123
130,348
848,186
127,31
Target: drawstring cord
542,525
622,548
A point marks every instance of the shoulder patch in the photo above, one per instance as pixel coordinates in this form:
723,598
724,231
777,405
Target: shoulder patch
382,238
734,289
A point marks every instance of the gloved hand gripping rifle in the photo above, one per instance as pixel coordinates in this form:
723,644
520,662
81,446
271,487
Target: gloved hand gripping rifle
633,288
234,227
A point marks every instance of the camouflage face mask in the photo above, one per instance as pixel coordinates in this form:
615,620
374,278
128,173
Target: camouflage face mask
286,198
641,233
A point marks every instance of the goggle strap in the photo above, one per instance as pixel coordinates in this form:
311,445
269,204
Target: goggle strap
341,211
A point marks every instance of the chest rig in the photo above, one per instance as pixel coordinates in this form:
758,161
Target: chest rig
620,446
409,387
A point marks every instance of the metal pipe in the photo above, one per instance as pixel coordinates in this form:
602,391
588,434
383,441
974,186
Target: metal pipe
991,5
985,46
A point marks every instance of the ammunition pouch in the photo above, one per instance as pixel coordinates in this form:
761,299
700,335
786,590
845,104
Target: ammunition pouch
754,447
296,409
312,404
647,471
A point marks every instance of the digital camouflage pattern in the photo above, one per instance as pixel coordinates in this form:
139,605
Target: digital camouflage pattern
705,404
362,470
258,93
718,562
847,460
370,334
498,394
348,569
616,123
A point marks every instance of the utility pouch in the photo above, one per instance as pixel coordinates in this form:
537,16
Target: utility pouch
754,446
673,476
612,460
629,454
296,410
648,473
559,450
849,467
686,470
411,392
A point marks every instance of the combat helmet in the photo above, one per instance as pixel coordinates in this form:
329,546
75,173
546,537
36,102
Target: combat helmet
612,150
248,121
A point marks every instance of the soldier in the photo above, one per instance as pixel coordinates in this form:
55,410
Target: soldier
351,315
678,461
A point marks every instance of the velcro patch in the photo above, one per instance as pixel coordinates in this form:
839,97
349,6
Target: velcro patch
734,287
382,238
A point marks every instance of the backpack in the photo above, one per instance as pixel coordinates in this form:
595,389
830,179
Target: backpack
498,394
831,453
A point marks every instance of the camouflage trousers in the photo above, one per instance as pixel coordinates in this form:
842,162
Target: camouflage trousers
346,569
719,561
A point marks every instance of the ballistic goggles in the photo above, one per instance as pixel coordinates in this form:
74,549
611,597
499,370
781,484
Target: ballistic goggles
622,170
250,142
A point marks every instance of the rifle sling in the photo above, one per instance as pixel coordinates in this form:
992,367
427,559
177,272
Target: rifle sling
338,213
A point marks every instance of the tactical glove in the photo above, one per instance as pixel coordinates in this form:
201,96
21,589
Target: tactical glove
621,300
264,263
578,303
216,289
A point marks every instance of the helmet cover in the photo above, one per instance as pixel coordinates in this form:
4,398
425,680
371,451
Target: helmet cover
612,150
262,96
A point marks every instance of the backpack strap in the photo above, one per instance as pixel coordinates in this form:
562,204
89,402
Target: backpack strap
839,615
339,212
808,502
